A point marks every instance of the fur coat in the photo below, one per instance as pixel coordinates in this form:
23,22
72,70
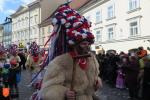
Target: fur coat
57,79
32,65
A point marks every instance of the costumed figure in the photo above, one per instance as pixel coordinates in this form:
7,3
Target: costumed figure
120,81
33,62
72,72
4,75
146,79
142,53
15,75
42,53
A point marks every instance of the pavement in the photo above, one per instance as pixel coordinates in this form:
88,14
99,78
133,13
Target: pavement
111,93
24,90
105,93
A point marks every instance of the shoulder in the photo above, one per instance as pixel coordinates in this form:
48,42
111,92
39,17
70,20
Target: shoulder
93,56
63,60
17,56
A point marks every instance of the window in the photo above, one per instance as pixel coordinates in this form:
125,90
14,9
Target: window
110,12
26,20
15,36
31,20
98,35
23,35
19,23
22,22
31,31
49,29
98,17
110,33
18,36
43,31
15,25
36,18
133,28
26,34
134,4
35,30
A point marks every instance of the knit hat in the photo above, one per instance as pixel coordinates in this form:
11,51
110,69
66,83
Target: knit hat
76,27
2,49
70,28
13,49
34,48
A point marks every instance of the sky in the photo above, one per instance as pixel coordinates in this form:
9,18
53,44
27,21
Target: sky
8,7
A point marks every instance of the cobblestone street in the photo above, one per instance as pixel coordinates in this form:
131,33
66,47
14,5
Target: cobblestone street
106,93
109,93
24,90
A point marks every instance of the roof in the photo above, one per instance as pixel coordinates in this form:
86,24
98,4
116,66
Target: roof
48,7
7,21
34,2
1,26
20,10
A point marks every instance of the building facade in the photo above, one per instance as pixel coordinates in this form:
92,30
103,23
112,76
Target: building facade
25,23
34,21
20,25
119,25
7,32
45,34
1,33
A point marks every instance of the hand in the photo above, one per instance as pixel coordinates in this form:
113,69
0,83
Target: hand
98,84
70,95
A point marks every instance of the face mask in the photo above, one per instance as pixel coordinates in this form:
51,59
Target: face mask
124,60
1,64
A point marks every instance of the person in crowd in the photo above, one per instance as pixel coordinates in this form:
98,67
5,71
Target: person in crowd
146,79
120,81
113,59
4,74
21,54
106,67
14,76
33,62
72,73
141,52
100,58
141,56
131,76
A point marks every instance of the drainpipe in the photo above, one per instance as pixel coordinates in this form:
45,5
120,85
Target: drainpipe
29,25
39,21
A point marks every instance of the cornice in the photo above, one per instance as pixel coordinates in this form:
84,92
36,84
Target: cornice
17,13
91,5
127,39
34,5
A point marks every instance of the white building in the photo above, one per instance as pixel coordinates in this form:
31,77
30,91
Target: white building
20,25
25,23
34,21
1,33
119,24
